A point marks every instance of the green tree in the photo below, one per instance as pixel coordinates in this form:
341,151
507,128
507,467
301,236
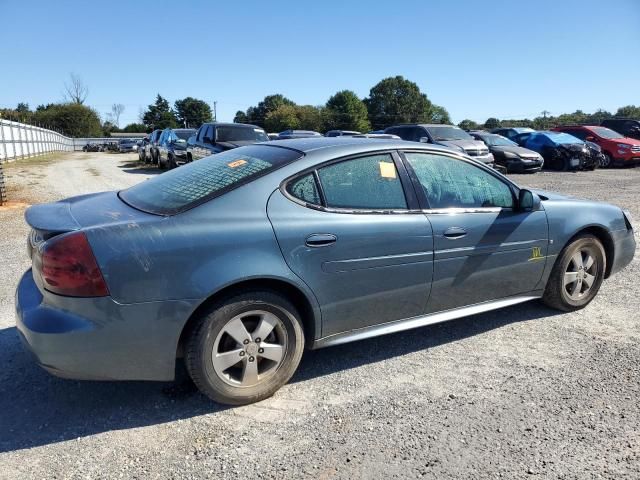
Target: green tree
160,115
257,115
397,100
629,111
192,112
108,127
135,128
345,111
240,117
467,124
23,108
73,119
309,117
282,118
491,123
440,115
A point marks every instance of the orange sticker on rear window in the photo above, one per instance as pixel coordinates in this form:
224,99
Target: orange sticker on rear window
387,170
236,164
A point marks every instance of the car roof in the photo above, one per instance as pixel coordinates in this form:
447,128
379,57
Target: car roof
230,124
310,144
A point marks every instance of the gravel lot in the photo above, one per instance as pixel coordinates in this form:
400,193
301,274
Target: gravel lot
520,393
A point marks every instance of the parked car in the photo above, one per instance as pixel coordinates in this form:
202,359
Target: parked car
509,154
628,127
272,136
112,146
142,148
240,260
151,149
560,151
212,138
288,134
92,147
510,132
341,133
172,147
127,145
616,149
446,135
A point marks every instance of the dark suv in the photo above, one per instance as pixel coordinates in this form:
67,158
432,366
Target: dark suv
172,147
212,138
624,126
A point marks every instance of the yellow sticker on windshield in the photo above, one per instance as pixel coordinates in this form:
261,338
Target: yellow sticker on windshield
236,164
387,170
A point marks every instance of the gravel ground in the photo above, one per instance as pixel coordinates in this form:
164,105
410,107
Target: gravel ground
523,392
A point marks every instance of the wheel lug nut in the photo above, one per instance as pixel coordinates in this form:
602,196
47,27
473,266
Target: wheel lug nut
251,359
242,353
261,350
246,342
258,340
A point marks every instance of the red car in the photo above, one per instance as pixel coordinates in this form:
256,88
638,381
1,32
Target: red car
618,150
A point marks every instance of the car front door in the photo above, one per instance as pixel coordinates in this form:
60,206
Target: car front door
484,247
353,232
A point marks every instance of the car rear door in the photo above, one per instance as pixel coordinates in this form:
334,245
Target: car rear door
353,232
484,248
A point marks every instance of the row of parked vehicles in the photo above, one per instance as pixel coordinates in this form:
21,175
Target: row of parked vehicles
521,150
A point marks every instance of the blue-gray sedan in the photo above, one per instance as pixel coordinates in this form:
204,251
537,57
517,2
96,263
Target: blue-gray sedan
238,261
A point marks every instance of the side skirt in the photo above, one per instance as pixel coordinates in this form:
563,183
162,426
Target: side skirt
421,321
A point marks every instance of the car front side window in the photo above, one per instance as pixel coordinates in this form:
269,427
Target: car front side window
368,183
452,183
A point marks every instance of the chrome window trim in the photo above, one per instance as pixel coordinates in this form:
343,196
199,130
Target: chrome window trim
457,210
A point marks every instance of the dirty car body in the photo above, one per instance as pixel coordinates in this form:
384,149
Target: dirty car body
117,277
560,151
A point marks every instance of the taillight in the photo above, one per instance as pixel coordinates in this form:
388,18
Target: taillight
69,267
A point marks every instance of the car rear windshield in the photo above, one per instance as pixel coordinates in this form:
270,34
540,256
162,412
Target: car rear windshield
448,133
231,134
197,182
185,134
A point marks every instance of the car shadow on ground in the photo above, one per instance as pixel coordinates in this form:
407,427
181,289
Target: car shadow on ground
39,409
139,167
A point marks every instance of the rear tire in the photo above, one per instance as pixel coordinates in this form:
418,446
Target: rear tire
268,340
577,274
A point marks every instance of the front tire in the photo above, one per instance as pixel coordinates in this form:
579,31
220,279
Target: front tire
244,348
577,275
607,161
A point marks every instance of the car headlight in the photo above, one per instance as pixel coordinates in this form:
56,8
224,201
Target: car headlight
624,145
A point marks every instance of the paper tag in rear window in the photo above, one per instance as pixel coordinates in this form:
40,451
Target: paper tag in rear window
387,170
237,163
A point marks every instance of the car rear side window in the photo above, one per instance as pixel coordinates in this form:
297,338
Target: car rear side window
453,183
198,182
305,189
369,183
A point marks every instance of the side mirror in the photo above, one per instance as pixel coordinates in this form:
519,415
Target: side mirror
590,138
424,140
528,201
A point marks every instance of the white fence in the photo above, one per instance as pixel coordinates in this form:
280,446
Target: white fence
18,140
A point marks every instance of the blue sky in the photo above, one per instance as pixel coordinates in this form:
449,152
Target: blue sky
503,58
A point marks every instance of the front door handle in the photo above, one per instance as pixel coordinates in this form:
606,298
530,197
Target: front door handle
455,232
321,240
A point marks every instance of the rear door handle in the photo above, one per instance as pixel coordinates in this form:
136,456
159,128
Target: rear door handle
321,240
455,232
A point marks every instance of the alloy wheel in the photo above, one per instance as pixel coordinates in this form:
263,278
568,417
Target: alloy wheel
605,160
580,275
249,348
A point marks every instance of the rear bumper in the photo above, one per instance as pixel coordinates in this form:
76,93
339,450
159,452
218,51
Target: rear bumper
98,338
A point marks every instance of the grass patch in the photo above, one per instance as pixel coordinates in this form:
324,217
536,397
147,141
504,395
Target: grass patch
45,159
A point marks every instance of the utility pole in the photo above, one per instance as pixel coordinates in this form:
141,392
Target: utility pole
215,113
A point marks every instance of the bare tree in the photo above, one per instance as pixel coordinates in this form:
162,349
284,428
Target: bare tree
76,91
116,111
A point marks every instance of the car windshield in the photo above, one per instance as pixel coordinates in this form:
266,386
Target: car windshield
604,132
446,132
197,182
563,138
235,134
184,134
497,141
